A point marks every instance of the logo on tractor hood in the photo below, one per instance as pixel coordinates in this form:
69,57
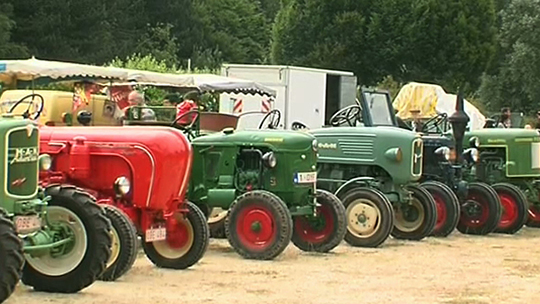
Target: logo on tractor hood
24,155
29,130
327,146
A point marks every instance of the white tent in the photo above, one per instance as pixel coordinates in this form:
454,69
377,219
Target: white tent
431,100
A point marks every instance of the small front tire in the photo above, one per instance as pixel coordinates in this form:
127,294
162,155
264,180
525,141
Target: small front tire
416,220
259,225
447,208
124,246
514,208
186,242
481,211
325,231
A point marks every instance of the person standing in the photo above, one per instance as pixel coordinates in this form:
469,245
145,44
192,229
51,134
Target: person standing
505,121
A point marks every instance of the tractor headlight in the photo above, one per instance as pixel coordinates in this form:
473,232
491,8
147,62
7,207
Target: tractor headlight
315,144
45,162
394,154
269,159
443,152
471,155
474,142
122,185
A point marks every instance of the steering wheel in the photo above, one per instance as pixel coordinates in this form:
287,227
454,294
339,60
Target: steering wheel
436,121
274,117
188,129
27,113
296,125
350,115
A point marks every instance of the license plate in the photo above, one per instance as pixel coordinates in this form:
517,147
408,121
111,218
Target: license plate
305,177
27,224
156,234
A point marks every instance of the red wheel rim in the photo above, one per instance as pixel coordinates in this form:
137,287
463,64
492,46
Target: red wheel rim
255,227
510,210
441,211
534,214
177,234
304,226
475,221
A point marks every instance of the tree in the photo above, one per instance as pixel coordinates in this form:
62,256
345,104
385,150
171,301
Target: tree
9,49
515,83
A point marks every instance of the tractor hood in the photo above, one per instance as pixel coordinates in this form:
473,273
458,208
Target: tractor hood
502,136
276,139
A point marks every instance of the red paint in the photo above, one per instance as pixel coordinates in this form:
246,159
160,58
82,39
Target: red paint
306,232
177,233
476,221
510,210
156,160
441,212
256,240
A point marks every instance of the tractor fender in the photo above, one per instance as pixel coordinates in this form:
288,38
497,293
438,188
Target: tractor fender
364,181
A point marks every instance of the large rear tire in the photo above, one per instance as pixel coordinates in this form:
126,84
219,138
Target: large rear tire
514,208
124,244
85,258
370,217
259,225
325,231
481,212
416,220
447,207
11,258
186,242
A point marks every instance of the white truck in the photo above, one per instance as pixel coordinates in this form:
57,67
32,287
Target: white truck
309,96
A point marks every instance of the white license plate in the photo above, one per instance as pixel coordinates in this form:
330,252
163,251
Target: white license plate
26,224
305,177
156,234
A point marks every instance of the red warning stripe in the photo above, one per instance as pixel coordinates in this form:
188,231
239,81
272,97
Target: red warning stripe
238,105
265,105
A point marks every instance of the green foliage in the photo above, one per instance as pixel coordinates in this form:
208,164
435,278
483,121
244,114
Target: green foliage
391,85
515,83
9,49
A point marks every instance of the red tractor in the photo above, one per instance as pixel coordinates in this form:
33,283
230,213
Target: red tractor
143,171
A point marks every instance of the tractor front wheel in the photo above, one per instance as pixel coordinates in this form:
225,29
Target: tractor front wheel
11,258
259,225
124,244
186,242
447,207
481,211
70,267
323,232
415,220
514,208
370,217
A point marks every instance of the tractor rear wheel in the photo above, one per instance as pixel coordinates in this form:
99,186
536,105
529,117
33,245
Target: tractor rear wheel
216,223
259,225
124,244
370,217
514,208
11,258
481,211
325,231
75,265
415,220
185,244
447,207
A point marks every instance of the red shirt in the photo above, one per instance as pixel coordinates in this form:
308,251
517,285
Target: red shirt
184,107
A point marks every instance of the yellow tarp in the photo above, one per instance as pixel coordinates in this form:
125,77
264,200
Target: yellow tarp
416,96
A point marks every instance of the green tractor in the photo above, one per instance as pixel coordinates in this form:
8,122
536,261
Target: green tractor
55,239
266,179
510,157
445,162
373,167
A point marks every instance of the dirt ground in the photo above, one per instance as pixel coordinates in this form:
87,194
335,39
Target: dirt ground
458,269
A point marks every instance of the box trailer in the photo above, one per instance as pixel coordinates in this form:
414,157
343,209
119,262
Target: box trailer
309,96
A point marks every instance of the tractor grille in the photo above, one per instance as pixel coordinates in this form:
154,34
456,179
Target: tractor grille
22,161
417,147
358,147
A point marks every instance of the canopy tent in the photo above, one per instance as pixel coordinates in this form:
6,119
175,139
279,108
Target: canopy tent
12,71
201,82
431,100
